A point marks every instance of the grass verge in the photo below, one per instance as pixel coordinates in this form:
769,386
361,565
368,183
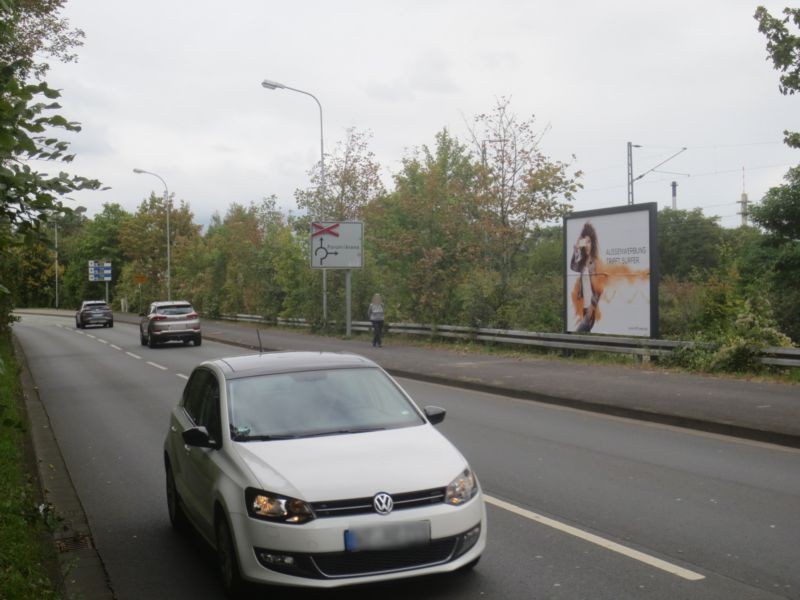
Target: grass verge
26,548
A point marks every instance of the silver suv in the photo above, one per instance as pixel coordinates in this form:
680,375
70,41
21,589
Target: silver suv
94,312
167,321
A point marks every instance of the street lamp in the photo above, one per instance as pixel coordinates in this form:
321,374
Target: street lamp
167,206
274,85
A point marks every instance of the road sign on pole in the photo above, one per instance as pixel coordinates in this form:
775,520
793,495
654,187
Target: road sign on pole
337,245
99,271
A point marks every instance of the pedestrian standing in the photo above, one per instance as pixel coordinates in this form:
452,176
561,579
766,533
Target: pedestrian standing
376,316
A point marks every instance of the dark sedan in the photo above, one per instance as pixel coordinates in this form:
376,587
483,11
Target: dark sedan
94,312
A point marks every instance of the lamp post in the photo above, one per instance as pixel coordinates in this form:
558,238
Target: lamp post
55,222
274,85
167,206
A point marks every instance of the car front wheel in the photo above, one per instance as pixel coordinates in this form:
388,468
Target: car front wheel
176,515
226,558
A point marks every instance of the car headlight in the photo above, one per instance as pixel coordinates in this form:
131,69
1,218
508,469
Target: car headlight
462,489
272,507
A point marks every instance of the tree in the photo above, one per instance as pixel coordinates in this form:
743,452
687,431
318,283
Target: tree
783,49
143,238
519,187
352,180
29,198
38,31
422,238
779,214
688,243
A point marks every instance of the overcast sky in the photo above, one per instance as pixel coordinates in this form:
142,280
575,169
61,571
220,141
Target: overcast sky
173,87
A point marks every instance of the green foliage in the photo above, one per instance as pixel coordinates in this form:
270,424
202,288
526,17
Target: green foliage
688,243
783,48
779,211
23,557
734,346
28,198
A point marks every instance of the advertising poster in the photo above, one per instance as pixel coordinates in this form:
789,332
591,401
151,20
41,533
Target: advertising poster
611,283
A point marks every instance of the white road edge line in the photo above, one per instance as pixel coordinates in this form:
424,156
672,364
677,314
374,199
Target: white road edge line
182,376
595,539
136,356
156,365
115,347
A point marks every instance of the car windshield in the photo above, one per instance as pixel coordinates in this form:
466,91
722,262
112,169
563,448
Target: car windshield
174,310
315,403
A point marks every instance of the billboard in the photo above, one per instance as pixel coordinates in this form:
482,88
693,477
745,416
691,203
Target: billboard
611,271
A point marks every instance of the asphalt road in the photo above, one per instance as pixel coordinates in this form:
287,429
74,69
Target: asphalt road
581,505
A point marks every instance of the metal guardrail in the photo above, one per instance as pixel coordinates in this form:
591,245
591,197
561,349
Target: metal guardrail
776,356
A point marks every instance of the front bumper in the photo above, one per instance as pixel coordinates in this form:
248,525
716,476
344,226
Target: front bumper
314,554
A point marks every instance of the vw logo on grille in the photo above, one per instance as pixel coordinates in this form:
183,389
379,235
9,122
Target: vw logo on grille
383,503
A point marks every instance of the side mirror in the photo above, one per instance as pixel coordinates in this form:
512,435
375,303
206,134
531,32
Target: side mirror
198,436
435,414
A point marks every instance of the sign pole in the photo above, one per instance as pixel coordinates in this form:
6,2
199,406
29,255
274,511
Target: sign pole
347,286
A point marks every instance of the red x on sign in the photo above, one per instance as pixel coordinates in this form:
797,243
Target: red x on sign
320,229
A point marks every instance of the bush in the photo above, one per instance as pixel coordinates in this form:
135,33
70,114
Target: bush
734,349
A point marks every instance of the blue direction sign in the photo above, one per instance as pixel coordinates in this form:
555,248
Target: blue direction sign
99,271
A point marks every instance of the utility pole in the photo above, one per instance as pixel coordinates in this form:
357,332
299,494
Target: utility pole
630,172
631,178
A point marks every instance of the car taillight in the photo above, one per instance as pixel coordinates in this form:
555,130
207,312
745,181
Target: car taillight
159,318
193,315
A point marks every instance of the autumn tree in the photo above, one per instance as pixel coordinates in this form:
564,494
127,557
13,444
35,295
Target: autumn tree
519,188
352,180
144,239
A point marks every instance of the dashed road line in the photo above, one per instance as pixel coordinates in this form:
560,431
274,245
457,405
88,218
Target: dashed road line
156,365
91,336
182,376
115,347
596,539
136,356
102,341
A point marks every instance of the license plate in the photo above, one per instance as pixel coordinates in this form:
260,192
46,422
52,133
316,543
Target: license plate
389,536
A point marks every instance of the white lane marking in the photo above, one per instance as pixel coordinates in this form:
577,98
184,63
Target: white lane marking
91,336
182,376
102,341
156,365
136,356
115,347
595,539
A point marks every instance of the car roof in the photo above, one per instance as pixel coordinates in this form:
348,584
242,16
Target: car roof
95,302
270,363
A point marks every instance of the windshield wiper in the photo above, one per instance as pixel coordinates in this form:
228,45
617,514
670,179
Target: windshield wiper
263,438
342,431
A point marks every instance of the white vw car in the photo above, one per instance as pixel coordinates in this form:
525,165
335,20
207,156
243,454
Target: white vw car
317,469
